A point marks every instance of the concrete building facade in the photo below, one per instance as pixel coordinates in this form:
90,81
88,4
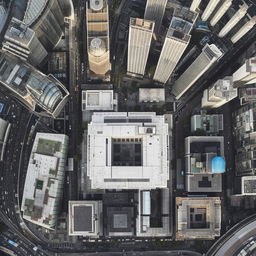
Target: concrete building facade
246,74
220,93
155,12
210,54
234,20
220,12
140,36
176,42
198,218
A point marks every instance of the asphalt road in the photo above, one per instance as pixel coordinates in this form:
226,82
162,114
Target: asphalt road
147,253
234,238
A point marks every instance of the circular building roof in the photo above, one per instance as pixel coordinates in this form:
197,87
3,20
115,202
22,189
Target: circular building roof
96,5
218,164
97,47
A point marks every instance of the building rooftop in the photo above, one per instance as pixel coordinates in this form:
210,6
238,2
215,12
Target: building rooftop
142,23
248,185
203,170
151,94
198,217
44,179
98,100
97,19
31,86
211,124
182,23
85,218
153,219
120,221
127,151
19,32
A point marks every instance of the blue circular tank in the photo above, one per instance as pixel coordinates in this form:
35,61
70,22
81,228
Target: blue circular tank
218,164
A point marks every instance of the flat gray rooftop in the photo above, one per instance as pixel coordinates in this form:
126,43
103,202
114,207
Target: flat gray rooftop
83,218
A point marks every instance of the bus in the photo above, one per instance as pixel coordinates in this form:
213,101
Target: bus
12,243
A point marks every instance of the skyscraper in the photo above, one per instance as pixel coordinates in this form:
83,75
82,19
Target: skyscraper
176,41
246,73
244,29
195,5
234,20
210,54
221,11
155,12
21,41
209,9
46,18
140,36
97,20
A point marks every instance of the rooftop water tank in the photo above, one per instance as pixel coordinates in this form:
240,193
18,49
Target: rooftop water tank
218,164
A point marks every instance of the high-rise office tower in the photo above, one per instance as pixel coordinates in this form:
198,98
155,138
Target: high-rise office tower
97,20
244,29
195,5
46,18
219,93
246,73
140,36
234,20
210,54
176,41
155,12
221,11
209,9
21,41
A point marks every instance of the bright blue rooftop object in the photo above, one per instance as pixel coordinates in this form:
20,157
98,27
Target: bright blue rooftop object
218,164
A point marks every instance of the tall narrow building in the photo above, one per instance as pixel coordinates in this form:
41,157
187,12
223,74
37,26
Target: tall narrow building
221,11
176,41
234,20
155,12
209,9
195,4
140,36
97,20
244,30
210,54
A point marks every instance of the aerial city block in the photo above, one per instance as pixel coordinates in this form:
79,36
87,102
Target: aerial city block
128,127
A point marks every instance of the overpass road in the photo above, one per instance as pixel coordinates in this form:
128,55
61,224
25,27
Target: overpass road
232,241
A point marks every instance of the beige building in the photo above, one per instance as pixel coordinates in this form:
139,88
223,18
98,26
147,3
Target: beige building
198,217
97,20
